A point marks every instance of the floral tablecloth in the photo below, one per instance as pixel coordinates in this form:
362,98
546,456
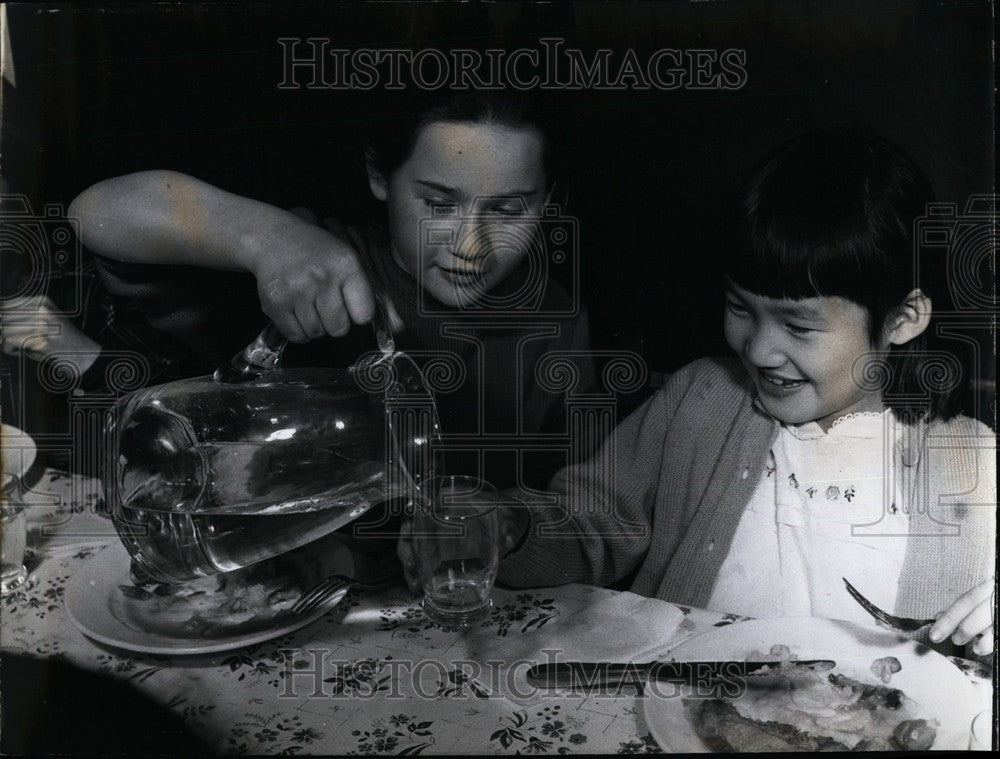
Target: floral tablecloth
372,676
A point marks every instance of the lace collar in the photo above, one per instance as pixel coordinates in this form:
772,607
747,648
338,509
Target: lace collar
860,424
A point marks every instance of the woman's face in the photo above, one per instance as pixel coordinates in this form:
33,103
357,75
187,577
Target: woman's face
463,180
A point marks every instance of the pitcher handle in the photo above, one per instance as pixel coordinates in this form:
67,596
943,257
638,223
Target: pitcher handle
383,333
263,355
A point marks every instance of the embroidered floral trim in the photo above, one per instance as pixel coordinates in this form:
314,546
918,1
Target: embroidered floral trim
858,415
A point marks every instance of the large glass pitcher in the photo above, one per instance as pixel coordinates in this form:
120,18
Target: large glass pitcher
215,473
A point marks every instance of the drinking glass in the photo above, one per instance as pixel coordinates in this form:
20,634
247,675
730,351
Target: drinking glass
13,541
455,545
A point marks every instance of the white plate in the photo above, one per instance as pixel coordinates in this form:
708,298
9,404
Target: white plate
95,604
939,688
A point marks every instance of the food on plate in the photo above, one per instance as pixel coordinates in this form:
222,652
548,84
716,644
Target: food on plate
800,710
914,735
885,668
217,605
723,728
778,653
781,652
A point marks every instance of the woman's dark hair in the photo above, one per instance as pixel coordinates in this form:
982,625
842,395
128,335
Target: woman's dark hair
397,117
833,214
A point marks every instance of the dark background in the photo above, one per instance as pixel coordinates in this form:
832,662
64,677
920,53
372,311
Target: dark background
102,91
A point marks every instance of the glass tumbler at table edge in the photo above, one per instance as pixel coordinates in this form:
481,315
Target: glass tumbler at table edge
455,531
13,539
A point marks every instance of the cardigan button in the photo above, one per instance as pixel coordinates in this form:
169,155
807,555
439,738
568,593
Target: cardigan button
710,546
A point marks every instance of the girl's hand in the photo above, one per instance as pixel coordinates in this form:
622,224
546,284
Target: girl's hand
313,283
33,326
969,618
513,523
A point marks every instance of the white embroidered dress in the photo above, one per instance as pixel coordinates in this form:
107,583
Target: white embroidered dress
826,508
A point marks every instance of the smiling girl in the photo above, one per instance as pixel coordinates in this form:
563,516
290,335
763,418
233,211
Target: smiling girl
831,448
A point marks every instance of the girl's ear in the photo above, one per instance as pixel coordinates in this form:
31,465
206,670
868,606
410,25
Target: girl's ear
910,320
376,180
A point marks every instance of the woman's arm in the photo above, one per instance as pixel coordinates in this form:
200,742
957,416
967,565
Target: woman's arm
164,217
309,281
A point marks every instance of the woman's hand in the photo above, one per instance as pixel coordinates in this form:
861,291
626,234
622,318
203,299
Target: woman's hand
513,524
969,618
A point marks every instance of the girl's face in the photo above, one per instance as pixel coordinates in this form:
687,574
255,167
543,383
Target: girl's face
803,355
453,164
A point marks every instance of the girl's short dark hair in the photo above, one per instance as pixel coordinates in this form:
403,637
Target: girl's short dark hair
398,116
833,214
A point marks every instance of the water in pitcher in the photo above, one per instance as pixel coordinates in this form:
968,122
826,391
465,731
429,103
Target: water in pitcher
212,474
209,478
253,501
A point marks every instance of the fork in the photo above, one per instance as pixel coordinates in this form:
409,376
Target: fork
905,624
327,588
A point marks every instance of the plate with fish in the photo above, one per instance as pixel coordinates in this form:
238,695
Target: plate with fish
886,693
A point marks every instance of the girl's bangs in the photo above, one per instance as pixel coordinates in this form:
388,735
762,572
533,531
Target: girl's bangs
797,268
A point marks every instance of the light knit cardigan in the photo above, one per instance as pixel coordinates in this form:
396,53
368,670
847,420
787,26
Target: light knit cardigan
685,465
